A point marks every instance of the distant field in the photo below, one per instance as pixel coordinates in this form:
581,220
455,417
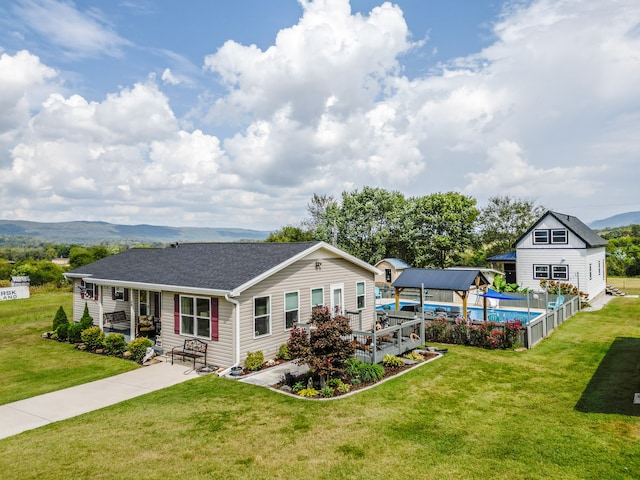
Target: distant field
628,285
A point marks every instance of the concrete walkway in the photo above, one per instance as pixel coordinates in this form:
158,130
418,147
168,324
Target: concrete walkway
35,412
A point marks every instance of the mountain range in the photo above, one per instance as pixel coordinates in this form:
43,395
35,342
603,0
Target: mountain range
620,220
93,233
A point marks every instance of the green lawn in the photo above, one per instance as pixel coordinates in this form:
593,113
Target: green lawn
562,410
31,366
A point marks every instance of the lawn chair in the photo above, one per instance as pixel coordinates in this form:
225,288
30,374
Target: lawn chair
553,305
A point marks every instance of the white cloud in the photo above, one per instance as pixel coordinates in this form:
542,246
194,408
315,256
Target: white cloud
537,114
77,33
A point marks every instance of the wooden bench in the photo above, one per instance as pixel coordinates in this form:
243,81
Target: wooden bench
192,348
116,321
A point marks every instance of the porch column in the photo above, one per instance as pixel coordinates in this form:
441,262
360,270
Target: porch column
132,313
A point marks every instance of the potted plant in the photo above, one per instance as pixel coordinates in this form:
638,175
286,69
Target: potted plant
236,371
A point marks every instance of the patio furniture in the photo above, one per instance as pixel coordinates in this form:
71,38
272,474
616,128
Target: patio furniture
553,305
192,348
116,321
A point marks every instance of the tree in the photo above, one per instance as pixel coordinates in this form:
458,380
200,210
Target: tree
290,234
442,228
368,222
328,348
504,220
39,273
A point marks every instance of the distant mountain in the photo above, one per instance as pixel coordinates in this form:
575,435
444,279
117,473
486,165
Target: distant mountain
92,233
620,220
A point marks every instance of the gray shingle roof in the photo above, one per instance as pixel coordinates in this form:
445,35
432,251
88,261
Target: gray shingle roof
458,280
575,225
216,266
396,263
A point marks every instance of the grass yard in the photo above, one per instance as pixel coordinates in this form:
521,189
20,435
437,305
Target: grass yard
562,410
628,285
30,365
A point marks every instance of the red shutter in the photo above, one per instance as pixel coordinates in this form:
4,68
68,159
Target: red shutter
126,295
176,314
95,291
82,289
214,319
113,293
156,304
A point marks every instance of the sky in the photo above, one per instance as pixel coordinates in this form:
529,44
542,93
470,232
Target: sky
233,113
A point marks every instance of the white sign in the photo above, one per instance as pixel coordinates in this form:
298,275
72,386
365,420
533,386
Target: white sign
13,293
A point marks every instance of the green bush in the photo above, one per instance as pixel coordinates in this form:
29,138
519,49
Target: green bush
59,319
283,352
93,338
327,392
254,361
415,356
344,388
61,332
86,320
352,367
138,348
391,361
297,387
308,392
334,382
74,331
115,344
371,372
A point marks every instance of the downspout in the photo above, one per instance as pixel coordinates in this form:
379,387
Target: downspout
236,363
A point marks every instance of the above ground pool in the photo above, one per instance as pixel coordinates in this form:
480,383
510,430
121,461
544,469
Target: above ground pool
473,312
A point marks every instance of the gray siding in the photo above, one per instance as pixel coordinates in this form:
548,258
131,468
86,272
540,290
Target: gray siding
302,277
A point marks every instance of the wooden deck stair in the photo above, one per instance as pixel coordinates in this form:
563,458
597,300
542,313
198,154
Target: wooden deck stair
611,290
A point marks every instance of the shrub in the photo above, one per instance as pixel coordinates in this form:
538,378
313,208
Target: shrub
327,392
334,382
283,352
343,388
352,367
86,320
254,361
93,338
297,387
59,319
61,332
308,392
138,348
392,361
371,372
115,344
415,356
298,343
73,332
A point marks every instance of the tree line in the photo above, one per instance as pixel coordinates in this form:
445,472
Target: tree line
437,230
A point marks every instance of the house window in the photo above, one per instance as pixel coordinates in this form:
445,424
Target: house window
317,298
360,295
291,309
118,293
560,272
540,237
387,275
195,316
540,271
143,303
261,316
559,235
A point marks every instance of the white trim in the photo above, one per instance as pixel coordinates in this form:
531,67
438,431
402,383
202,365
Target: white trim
195,316
334,288
284,296
311,304
269,315
364,294
238,290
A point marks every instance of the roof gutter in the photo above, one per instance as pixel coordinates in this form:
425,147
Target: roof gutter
236,304
151,286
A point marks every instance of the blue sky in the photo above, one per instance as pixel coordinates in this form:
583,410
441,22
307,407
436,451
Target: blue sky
233,113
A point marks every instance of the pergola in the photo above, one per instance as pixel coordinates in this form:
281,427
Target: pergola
459,281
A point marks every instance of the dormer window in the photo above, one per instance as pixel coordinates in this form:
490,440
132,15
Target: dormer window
546,236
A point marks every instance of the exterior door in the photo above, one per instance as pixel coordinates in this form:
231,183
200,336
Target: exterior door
337,299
